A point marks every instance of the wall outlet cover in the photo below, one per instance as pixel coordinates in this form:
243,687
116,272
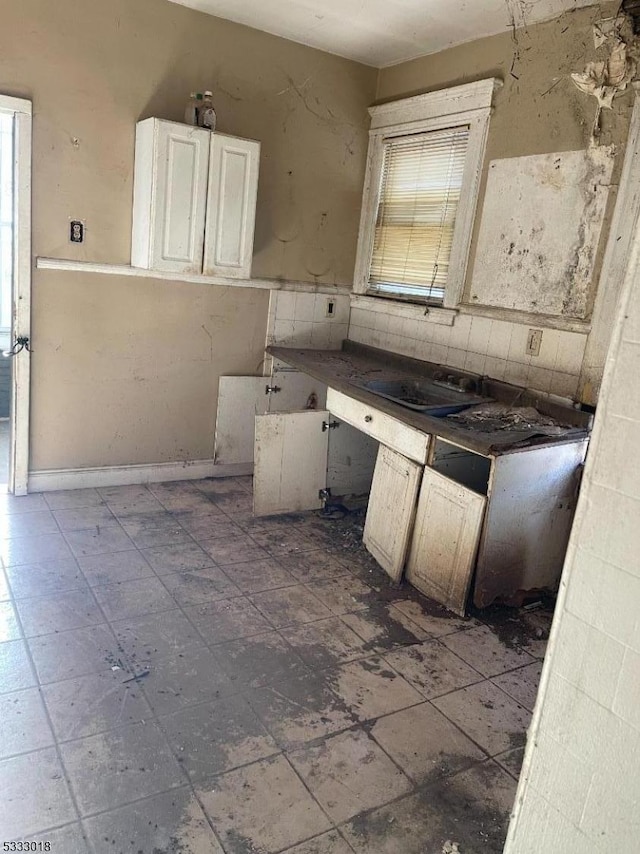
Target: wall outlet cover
76,231
534,340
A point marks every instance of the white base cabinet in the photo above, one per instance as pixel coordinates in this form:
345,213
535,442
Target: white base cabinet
194,200
445,540
290,466
240,399
454,518
299,455
391,509
277,423
382,427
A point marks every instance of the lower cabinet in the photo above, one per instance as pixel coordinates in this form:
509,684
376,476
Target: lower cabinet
391,510
240,399
290,465
448,515
449,519
381,426
445,540
299,455
279,424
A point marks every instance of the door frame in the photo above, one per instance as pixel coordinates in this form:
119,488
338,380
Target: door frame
21,292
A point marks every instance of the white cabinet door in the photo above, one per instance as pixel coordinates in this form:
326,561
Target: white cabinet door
295,391
445,540
391,510
169,203
240,399
290,466
231,206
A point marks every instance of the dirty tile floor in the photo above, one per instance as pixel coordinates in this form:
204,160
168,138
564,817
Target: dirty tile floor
177,676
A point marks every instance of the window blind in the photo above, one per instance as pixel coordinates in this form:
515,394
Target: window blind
418,202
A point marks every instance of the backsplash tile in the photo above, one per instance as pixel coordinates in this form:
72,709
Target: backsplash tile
304,306
500,340
539,378
286,305
479,344
479,335
300,320
495,367
570,351
549,348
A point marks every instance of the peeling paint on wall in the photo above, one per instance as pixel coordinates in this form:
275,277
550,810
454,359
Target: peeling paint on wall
609,75
540,231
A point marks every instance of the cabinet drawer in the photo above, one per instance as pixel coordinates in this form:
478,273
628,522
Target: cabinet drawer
380,426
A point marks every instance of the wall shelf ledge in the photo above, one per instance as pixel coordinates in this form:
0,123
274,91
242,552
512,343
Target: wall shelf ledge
90,267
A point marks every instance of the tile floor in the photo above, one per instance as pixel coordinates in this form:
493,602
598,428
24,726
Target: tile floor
176,676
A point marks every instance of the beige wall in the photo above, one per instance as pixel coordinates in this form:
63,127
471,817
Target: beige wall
124,370
530,116
538,110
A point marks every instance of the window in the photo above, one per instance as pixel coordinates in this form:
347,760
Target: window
421,188
417,205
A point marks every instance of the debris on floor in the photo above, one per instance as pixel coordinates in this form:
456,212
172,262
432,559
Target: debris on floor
280,692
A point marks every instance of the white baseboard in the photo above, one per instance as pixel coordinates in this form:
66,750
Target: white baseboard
53,479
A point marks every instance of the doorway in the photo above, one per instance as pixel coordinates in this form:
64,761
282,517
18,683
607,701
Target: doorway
15,291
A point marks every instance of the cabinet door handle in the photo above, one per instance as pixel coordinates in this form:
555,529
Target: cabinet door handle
368,418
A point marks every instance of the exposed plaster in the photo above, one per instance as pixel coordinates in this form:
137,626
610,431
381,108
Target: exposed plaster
616,67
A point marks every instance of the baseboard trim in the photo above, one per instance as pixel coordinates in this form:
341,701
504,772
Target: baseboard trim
53,479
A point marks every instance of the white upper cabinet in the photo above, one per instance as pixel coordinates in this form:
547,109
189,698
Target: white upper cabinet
194,200
231,206
169,196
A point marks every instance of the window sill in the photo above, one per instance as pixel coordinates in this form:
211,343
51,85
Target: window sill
526,318
411,311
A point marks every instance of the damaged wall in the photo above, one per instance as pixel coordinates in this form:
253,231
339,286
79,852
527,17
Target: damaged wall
126,370
580,784
539,232
539,110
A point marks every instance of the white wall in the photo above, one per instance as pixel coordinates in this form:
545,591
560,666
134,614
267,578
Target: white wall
579,792
479,344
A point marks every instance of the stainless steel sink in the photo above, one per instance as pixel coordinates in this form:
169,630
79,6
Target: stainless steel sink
435,397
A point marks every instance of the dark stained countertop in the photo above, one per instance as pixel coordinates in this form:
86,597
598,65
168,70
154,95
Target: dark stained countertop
346,369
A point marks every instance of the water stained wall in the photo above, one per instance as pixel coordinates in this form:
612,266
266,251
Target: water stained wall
126,370
538,111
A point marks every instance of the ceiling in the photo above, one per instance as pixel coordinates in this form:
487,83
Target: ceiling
383,32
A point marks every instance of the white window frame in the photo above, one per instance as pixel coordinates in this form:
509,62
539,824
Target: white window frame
469,105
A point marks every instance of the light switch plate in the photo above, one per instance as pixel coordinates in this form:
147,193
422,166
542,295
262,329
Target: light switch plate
534,340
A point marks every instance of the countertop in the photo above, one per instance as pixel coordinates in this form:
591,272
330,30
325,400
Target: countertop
344,370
